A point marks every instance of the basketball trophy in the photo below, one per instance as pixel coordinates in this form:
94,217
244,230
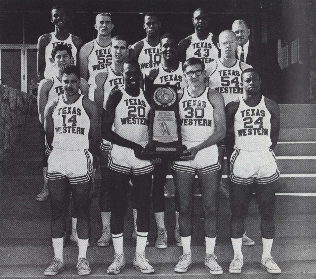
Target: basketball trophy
164,124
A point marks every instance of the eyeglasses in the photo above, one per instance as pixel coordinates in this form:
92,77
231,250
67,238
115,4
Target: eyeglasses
191,73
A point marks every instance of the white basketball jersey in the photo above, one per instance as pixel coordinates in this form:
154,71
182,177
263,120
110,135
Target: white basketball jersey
56,90
173,78
131,118
111,81
202,49
71,125
196,116
49,68
149,57
227,81
252,126
98,59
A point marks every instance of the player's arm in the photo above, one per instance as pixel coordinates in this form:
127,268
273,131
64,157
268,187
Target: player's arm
49,122
100,80
84,87
108,116
83,59
219,122
150,78
135,49
43,41
183,45
42,97
274,110
94,133
231,109
78,43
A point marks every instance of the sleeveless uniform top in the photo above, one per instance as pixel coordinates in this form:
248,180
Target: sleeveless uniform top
175,77
202,49
49,69
227,81
111,81
149,57
56,90
131,118
196,117
252,126
71,125
98,59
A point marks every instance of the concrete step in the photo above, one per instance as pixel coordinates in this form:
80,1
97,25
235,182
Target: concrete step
297,134
295,149
298,116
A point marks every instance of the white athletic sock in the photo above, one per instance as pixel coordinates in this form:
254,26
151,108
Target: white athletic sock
106,218
58,245
135,219
177,219
74,225
266,247
45,178
160,220
237,243
141,242
186,244
83,246
210,244
118,243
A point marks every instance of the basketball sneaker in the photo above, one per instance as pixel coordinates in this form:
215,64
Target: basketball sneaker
54,268
236,265
247,241
142,264
105,238
43,195
211,263
184,263
177,237
162,238
83,267
117,265
270,265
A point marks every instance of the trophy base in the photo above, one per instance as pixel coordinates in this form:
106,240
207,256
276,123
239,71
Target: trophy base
170,153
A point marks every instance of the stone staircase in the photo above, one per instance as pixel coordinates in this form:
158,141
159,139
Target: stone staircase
25,228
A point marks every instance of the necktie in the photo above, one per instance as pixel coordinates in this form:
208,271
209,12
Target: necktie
242,54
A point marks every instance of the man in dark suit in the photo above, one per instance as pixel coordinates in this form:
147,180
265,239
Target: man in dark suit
261,59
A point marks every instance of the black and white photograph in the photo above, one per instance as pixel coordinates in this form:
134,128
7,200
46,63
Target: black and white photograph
158,139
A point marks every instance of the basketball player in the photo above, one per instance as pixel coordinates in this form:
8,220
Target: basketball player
71,126
202,116
201,43
47,42
127,109
146,51
94,56
168,72
50,89
253,124
106,81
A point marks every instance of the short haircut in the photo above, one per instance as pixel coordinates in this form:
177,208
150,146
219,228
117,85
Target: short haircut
250,70
71,69
168,36
103,14
61,47
201,10
152,15
240,21
59,7
132,62
193,61
227,31
119,38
